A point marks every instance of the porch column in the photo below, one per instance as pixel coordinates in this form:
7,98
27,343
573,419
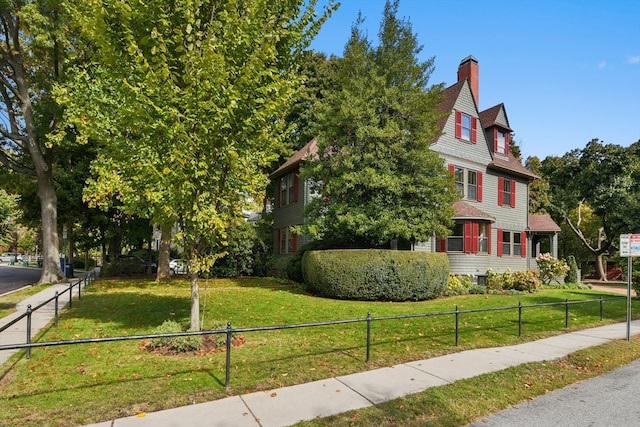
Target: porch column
554,245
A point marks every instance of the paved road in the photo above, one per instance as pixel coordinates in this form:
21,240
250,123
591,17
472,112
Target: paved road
609,400
12,278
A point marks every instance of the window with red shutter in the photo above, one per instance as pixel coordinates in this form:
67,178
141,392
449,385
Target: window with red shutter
499,246
479,186
500,191
474,129
468,237
513,193
523,239
458,124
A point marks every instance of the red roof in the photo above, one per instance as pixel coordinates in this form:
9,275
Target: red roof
542,223
308,151
510,164
465,211
489,116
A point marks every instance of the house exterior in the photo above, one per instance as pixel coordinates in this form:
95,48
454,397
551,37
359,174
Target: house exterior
493,228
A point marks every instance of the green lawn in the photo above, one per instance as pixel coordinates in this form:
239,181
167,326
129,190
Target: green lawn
81,384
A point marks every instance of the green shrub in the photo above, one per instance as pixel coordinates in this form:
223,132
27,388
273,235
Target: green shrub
174,344
520,281
122,266
375,275
551,268
572,275
294,263
458,285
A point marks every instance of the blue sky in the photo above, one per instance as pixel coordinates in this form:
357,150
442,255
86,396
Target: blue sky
566,70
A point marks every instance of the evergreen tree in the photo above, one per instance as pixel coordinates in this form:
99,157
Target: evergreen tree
377,176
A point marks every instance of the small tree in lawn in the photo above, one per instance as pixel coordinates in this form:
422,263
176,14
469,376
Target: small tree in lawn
376,175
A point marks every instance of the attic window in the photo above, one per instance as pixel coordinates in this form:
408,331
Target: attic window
500,142
466,127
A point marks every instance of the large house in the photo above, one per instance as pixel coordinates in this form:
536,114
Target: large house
493,228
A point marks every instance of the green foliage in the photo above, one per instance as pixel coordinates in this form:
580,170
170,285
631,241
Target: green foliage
378,178
122,267
241,251
375,275
174,345
551,268
572,275
294,264
519,281
8,213
458,285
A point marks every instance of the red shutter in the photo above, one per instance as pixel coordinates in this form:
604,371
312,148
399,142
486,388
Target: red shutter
452,169
500,191
499,242
294,242
523,243
468,238
495,140
479,192
474,129
295,187
474,237
513,193
458,124
507,140
489,239
442,245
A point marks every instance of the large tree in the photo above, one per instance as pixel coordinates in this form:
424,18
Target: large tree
603,177
33,56
377,178
188,99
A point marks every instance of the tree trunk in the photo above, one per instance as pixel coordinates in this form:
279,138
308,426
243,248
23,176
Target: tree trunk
195,302
51,272
600,268
164,254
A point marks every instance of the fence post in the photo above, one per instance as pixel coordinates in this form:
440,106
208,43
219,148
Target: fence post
368,336
29,330
519,318
55,310
227,376
70,296
566,313
457,323
601,308
79,290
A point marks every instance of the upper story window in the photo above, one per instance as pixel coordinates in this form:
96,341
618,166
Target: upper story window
466,127
506,192
500,141
468,182
288,189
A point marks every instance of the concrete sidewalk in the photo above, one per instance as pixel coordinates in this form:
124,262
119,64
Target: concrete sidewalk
288,405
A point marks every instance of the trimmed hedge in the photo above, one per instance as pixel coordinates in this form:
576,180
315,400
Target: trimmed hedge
375,275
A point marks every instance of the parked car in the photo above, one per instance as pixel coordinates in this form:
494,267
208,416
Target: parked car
11,256
178,266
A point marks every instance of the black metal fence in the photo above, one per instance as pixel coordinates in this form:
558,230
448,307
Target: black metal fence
229,331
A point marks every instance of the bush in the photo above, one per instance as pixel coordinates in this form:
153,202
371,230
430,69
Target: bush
572,275
551,268
458,285
122,266
520,281
294,263
375,275
174,344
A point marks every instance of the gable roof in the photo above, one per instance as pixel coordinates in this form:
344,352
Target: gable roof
542,223
451,95
308,151
489,117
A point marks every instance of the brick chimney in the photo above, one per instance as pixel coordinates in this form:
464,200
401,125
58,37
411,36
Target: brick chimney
468,69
